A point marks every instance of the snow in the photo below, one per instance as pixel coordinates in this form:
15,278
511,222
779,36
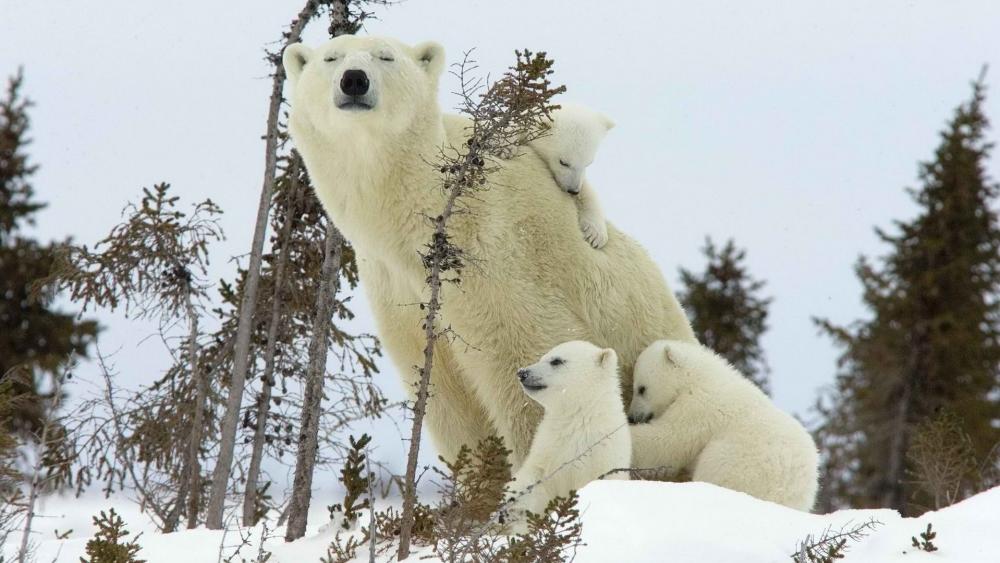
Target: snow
634,521
655,522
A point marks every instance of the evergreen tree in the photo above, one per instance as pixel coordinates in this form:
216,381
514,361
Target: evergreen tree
154,264
108,544
34,338
932,343
726,310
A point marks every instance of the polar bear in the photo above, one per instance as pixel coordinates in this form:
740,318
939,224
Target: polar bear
568,148
583,434
364,116
695,413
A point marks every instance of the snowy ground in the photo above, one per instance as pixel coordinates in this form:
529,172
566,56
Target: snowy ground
636,521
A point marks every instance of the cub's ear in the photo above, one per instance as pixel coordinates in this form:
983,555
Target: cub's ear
667,356
607,357
430,56
607,122
294,60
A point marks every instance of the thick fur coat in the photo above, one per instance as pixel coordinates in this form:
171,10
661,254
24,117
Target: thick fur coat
706,419
569,147
535,281
583,434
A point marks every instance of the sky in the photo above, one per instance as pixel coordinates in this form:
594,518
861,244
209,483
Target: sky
792,127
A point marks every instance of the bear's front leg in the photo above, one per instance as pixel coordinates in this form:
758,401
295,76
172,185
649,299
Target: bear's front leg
527,494
592,221
513,414
454,417
664,448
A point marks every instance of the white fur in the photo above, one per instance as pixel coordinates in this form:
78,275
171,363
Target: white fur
709,420
568,148
535,282
583,433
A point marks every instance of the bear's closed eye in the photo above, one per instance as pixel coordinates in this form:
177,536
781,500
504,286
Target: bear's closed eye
642,390
557,362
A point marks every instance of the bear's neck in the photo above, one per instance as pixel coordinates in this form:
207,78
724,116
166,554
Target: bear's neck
583,407
378,188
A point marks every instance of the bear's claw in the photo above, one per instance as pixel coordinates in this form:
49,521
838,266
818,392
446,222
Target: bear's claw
596,235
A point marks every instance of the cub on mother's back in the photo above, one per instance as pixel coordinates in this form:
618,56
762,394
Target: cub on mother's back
568,147
695,413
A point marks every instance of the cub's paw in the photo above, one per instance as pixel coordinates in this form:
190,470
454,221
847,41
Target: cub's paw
594,232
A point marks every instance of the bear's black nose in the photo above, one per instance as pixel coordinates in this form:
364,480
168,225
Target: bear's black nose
522,374
354,83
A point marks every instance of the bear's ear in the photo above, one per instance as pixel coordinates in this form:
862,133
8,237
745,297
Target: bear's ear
430,57
607,357
667,356
606,121
294,60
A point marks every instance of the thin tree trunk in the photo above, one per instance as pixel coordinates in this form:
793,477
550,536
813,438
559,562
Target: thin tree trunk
423,389
264,400
305,458
193,463
227,443
173,518
36,471
372,530
188,494
894,496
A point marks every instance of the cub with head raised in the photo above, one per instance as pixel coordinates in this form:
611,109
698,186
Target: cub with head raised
583,433
694,413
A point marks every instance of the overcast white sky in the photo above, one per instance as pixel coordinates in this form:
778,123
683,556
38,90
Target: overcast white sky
792,126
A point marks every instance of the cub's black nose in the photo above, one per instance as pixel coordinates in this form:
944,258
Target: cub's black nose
522,374
631,419
354,83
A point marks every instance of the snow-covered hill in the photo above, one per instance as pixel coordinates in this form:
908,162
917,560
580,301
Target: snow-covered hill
635,522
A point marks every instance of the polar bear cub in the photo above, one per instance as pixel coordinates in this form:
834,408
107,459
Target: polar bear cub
568,148
699,415
583,433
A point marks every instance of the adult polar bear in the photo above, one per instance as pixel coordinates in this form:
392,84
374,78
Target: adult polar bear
365,117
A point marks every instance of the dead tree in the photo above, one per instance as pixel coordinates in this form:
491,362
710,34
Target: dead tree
512,111
241,355
344,19
293,197
305,459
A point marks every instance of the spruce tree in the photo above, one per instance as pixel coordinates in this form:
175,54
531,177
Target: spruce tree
35,338
932,343
727,312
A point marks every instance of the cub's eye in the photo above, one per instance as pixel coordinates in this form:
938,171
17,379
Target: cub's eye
386,58
556,362
331,58
642,390
564,163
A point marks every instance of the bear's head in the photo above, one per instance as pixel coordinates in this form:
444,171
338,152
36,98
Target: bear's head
570,144
351,85
571,373
657,379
